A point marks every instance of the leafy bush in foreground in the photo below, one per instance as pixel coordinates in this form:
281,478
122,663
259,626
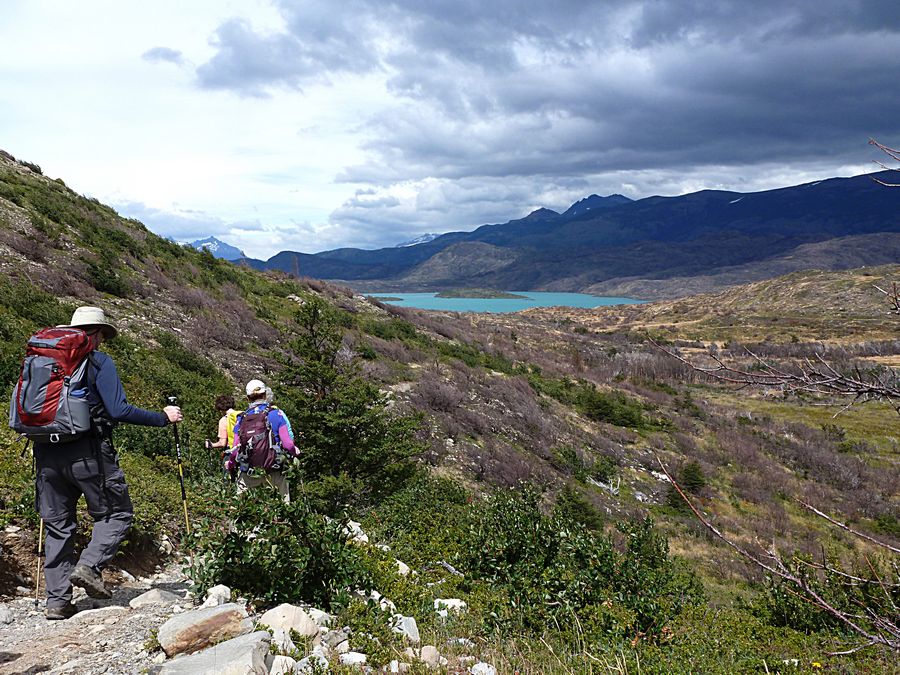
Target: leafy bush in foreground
549,569
277,552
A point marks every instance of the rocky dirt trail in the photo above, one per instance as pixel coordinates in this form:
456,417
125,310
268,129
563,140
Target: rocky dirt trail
106,636
154,624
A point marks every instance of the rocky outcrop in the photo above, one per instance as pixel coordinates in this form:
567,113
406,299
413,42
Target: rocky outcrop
244,655
196,630
116,636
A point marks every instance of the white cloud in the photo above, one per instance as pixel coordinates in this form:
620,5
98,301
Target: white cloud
314,125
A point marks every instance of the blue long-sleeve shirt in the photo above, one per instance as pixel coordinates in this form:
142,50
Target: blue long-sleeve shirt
108,390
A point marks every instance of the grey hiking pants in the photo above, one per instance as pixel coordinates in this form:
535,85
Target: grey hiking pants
64,473
274,479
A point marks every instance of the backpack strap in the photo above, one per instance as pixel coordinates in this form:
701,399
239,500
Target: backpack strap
102,426
100,419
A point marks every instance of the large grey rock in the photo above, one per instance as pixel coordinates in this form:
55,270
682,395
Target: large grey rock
98,615
429,655
290,617
355,533
155,596
352,659
333,638
244,655
406,626
482,668
323,619
196,630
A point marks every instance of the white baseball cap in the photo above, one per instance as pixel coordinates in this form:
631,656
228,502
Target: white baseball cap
255,387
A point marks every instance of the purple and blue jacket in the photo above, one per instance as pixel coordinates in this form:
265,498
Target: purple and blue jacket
281,431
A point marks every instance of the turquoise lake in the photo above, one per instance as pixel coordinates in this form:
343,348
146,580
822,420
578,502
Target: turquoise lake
499,305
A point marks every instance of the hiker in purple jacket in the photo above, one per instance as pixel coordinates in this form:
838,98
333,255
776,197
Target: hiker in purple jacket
273,443
88,466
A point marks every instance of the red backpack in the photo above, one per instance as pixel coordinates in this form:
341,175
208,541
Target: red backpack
49,403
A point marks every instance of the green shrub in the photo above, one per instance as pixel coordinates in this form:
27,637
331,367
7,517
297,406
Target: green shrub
425,521
612,407
571,505
347,437
391,329
787,605
107,276
543,570
276,552
888,523
177,354
692,478
156,494
372,634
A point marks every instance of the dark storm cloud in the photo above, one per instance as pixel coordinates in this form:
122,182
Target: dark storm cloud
798,101
762,21
315,46
164,54
542,94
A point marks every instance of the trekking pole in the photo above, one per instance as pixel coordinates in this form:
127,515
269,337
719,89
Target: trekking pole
37,574
173,400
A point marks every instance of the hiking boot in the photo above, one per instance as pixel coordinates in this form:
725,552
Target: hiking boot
91,581
61,612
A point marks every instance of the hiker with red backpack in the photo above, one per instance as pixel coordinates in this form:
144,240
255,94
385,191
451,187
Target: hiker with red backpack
263,444
67,401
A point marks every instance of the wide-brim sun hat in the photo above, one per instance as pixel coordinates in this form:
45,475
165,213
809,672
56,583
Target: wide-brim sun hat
255,387
89,317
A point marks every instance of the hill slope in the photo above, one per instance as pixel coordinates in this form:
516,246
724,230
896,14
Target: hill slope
580,410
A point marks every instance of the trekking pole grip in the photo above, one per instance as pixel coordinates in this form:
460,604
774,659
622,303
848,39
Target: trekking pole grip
173,400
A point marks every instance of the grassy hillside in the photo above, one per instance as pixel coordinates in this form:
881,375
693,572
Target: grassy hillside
810,305
426,426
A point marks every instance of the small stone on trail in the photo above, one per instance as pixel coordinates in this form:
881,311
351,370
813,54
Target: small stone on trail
152,597
352,659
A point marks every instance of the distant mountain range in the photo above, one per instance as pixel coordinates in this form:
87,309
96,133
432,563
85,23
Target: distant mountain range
219,248
654,247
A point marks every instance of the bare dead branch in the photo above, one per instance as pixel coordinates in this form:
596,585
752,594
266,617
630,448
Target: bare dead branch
847,528
893,296
851,579
816,377
848,652
893,153
780,570
882,584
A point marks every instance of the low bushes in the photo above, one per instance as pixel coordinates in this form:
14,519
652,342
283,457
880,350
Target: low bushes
612,407
549,570
276,552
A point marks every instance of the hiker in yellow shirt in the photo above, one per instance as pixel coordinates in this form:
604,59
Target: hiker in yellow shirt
225,405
